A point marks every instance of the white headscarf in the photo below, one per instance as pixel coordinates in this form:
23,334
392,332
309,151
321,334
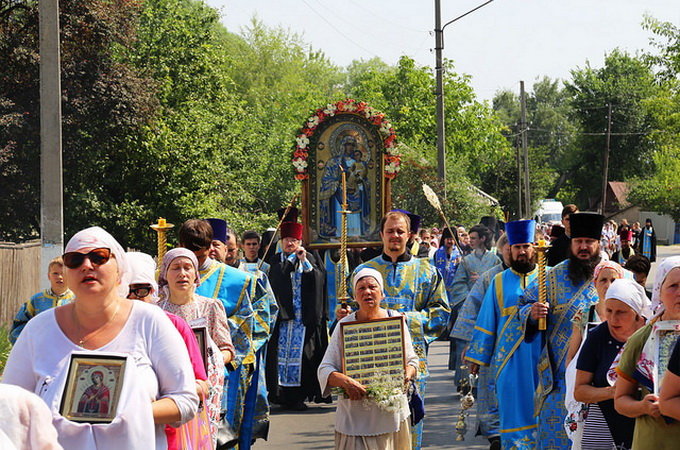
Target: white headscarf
632,294
96,237
142,270
368,272
662,270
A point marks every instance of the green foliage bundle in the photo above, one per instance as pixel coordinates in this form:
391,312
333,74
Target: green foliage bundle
5,347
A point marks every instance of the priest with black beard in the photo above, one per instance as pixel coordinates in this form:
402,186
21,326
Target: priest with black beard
569,289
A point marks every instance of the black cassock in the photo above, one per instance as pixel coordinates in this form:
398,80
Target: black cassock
314,318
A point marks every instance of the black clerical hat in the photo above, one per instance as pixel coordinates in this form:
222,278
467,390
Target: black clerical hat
586,225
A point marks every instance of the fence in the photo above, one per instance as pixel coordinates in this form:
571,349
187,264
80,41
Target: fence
19,276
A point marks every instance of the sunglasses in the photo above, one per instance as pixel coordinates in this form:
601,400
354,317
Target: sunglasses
140,292
98,256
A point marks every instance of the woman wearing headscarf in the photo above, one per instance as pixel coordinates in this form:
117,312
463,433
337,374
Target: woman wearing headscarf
626,308
177,281
143,286
637,371
362,424
158,385
606,272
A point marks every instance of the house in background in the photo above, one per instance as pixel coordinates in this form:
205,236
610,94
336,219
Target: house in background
617,208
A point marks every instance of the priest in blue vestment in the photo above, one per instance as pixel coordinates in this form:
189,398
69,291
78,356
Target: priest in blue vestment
471,268
497,341
569,290
414,287
488,421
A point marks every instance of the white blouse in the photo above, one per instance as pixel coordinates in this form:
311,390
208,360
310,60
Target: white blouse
352,417
39,362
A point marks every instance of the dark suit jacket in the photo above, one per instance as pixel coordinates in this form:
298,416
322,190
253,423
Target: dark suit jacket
559,250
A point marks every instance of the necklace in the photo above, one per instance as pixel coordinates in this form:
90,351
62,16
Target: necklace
81,342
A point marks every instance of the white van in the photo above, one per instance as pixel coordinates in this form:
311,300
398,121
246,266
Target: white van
549,211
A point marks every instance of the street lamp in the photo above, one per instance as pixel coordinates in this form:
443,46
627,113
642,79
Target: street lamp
439,92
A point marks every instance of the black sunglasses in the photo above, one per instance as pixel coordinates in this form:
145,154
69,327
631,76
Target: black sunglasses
140,292
98,256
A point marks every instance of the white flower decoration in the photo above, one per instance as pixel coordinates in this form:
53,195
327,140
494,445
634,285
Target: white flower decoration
312,121
299,164
350,107
302,141
330,110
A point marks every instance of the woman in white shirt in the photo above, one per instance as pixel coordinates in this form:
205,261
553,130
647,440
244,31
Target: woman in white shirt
158,384
360,424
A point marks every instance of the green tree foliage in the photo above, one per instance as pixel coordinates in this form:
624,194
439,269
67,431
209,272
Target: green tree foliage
474,142
625,82
104,106
550,142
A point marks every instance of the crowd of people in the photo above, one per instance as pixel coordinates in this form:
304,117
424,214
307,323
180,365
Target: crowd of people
229,325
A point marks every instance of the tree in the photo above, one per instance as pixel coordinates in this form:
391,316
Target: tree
625,82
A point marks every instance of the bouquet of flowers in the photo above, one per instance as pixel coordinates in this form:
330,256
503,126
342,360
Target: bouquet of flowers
384,390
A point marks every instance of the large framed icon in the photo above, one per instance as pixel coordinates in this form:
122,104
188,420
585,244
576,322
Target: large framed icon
347,138
373,347
663,339
93,387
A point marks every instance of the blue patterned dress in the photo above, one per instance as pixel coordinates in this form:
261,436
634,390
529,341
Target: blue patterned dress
237,291
255,423
414,287
565,299
498,343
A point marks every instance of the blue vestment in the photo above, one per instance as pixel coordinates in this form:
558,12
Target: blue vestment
487,406
414,287
498,342
237,290
255,423
42,301
565,299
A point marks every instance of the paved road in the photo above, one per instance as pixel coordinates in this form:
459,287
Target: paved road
313,429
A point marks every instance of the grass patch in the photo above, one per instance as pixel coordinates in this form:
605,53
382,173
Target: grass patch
5,347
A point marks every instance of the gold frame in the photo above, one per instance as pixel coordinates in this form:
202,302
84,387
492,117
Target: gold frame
81,369
373,346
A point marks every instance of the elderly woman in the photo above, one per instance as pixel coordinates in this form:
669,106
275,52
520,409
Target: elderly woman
604,275
635,386
361,425
158,386
177,281
626,309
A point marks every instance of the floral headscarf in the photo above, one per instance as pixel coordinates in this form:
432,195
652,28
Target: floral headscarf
607,265
96,237
666,266
171,256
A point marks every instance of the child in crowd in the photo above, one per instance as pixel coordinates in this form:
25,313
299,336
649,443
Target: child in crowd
58,294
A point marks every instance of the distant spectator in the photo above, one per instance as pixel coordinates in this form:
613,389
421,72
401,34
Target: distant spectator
640,266
560,246
58,294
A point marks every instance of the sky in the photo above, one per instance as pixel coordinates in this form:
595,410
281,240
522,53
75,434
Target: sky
500,44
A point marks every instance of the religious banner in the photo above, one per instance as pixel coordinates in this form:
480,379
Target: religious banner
351,138
373,347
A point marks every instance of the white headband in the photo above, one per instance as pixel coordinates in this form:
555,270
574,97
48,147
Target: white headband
368,272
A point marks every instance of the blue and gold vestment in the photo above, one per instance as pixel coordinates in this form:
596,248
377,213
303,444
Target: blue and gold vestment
498,342
565,300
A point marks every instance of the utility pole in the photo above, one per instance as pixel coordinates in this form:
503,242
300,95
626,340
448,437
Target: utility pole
439,89
51,198
439,94
524,128
603,197
519,179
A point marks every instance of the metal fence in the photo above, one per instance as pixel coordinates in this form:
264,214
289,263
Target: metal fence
19,276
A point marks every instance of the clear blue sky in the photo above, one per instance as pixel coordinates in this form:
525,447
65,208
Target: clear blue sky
502,43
